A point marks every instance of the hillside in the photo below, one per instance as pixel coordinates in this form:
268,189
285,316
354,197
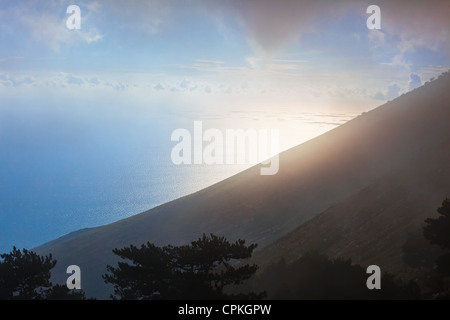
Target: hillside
372,225
390,163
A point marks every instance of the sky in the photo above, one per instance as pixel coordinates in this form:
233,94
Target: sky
70,97
222,54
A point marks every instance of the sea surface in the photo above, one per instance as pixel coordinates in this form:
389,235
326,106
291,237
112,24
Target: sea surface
63,171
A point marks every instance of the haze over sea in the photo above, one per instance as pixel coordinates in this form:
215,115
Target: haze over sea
69,167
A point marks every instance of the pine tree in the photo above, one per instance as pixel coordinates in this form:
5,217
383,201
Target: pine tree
24,275
437,231
200,270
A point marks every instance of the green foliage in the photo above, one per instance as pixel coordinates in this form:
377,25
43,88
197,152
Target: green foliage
200,270
24,275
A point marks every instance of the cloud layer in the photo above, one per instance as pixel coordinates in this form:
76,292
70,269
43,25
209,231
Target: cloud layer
272,24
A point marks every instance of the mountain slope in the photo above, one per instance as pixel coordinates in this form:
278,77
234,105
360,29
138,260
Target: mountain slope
313,177
372,225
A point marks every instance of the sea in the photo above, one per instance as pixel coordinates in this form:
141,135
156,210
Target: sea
63,171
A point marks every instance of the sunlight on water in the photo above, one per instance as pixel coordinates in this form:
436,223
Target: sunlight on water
69,171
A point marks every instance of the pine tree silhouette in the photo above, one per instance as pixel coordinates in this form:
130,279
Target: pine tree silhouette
200,270
24,275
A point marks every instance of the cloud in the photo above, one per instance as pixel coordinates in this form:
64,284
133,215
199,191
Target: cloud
398,61
184,84
46,24
379,96
158,87
118,86
118,82
93,80
270,25
144,15
376,38
51,80
71,79
7,79
414,81
418,23
267,25
432,71
393,91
